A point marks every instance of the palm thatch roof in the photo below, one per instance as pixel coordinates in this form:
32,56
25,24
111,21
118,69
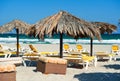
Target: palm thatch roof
64,22
105,27
31,31
17,24
20,27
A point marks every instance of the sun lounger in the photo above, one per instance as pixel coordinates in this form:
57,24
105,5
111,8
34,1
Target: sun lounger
44,53
66,48
2,47
79,47
101,55
33,56
115,51
34,49
13,60
4,51
6,54
84,60
21,50
48,53
90,59
30,57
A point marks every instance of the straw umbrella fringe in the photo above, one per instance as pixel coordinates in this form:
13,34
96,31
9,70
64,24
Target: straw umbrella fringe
31,31
66,23
18,25
104,28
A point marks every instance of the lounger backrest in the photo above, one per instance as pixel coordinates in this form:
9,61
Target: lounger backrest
1,47
115,48
79,47
33,48
66,46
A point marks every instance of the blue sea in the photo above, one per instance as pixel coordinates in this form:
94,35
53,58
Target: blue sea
106,39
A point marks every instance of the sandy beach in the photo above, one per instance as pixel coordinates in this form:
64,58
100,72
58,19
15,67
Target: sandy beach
47,25
105,70
55,47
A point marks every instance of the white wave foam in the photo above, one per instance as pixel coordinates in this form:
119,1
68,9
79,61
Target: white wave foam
83,41
55,41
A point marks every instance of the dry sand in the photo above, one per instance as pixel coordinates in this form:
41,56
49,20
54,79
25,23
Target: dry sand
105,71
55,47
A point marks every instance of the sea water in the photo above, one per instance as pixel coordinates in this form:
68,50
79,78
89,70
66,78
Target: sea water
106,39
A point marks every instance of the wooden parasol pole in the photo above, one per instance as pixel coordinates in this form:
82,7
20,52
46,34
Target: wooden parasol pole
61,45
17,30
91,46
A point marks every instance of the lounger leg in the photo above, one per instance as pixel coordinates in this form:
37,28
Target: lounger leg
95,61
84,64
87,63
24,63
9,55
110,59
30,63
115,58
6,55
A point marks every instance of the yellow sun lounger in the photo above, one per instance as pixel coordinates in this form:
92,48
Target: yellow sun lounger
6,54
35,54
66,48
115,49
79,47
48,53
85,60
104,54
34,49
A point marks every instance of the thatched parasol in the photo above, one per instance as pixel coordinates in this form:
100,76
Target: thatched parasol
104,28
66,23
15,24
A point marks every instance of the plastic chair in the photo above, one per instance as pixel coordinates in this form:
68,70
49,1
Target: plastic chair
13,60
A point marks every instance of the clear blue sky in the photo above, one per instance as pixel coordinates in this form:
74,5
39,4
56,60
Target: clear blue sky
31,11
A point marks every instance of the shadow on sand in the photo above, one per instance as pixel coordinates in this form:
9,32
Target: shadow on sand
76,66
113,66
31,63
98,77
